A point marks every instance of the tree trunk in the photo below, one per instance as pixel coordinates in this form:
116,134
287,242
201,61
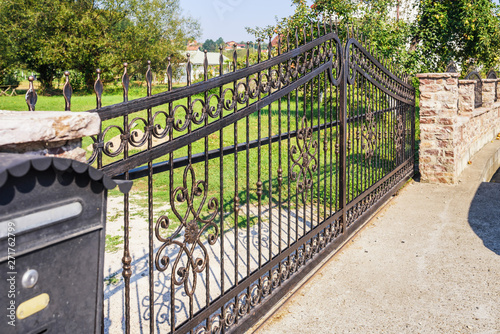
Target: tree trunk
46,77
89,80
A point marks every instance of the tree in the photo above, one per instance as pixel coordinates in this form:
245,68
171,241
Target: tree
52,36
209,45
212,46
7,56
220,42
467,32
461,30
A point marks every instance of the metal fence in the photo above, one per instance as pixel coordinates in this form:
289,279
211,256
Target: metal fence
250,178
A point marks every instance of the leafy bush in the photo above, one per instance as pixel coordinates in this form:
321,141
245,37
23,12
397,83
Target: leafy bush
8,77
77,81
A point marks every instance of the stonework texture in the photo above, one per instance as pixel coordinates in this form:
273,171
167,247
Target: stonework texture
48,133
488,92
451,129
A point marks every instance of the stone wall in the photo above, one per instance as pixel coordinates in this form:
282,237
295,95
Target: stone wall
452,130
48,133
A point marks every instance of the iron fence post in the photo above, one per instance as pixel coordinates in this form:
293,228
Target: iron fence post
343,143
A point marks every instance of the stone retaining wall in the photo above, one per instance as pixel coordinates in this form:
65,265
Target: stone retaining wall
451,129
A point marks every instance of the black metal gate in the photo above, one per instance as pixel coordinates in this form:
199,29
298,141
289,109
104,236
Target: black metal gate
252,177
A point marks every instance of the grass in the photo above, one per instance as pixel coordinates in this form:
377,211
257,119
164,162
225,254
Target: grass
113,243
114,279
79,101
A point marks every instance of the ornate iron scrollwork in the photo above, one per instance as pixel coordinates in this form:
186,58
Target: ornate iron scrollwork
306,160
187,193
369,134
400,137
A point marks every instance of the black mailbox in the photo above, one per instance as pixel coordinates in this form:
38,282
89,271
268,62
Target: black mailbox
52,239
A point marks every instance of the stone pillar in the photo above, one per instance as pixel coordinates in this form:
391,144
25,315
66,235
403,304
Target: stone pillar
438,120
497,88
48,133
488,92
466,97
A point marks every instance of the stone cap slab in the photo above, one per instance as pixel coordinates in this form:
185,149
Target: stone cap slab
20,127
437,75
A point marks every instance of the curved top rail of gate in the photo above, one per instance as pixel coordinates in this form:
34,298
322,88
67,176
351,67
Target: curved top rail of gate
324,43
254,87
359,60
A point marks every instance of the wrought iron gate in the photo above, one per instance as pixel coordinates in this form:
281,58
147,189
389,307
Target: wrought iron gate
252,177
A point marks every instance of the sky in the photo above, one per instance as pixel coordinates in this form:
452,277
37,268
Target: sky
228,18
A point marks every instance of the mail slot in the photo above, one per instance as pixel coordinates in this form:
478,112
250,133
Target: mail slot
52,239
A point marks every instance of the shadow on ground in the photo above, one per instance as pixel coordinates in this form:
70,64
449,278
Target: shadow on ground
484,215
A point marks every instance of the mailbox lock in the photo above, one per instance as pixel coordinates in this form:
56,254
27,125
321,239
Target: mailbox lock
30,278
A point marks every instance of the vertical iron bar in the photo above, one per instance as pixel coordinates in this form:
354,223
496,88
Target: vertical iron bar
325,141
67,92
259,162
304,111
332,195
221,186
349,162
359,167
304,115
330,103
205,97
127,259
288,210
280,170
171,189
236,197
190,150
311,85
31,95
342,130
413,140
270,169
386,131
98,89
149,79
379,105
375,105
354,125
366,111
247,63
319,143
296,138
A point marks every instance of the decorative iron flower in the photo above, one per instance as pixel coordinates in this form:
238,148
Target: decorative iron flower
191,233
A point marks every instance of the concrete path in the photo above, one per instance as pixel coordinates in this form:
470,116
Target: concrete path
429,262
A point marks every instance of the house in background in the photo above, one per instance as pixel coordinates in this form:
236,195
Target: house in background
193,46
230,45
197,58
